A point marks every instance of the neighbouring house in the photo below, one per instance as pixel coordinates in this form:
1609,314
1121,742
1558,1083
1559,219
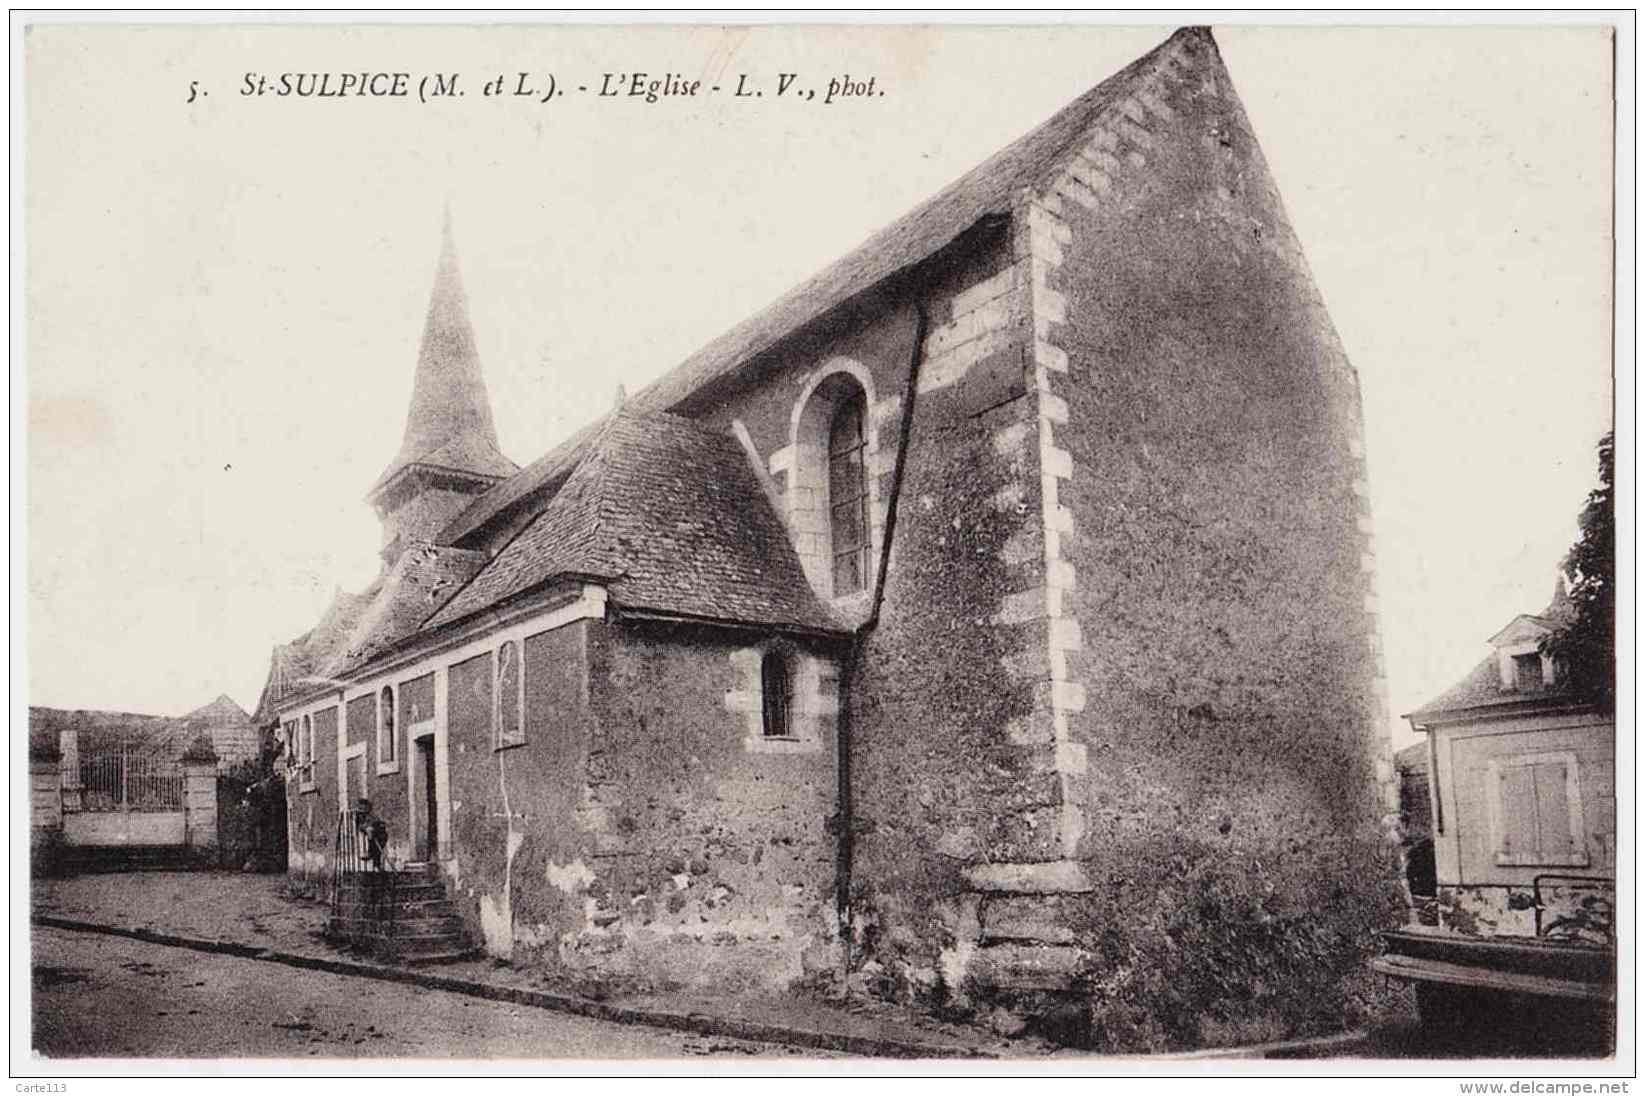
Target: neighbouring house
228,728
1522,787
987,623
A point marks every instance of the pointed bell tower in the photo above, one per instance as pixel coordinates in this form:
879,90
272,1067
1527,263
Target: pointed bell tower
449,452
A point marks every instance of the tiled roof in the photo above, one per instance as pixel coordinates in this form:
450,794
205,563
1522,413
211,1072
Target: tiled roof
991,188
669,515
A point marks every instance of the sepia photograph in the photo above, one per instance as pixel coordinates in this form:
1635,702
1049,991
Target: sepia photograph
600,544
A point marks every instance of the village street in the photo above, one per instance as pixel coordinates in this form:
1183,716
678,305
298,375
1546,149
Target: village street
109,997
101,996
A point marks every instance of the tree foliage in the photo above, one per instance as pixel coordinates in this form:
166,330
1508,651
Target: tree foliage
1585,647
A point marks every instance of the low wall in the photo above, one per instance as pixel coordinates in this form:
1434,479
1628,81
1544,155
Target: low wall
56,821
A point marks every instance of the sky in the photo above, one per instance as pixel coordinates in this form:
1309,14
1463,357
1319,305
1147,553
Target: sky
223,299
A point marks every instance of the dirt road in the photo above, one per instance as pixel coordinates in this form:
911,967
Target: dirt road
99,996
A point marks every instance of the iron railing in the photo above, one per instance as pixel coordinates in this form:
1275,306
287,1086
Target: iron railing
365,876
124,781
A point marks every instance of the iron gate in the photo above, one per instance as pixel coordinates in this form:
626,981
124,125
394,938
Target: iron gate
126,781
128,799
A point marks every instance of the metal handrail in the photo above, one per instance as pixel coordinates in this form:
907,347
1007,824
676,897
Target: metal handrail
351,858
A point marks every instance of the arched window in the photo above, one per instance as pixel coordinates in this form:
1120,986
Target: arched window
776,694
387,747
848,497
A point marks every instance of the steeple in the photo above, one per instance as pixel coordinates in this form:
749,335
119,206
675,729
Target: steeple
450,441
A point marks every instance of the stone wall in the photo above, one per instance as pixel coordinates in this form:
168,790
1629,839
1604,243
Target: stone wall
953,751
1217,703
713,857
312,822
639,835
45,814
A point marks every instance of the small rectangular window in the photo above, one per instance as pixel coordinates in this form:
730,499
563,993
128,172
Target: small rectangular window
776,695
1528,671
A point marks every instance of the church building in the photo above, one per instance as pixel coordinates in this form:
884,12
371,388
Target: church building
989,623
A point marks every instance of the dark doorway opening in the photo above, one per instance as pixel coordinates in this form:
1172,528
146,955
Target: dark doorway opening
428,818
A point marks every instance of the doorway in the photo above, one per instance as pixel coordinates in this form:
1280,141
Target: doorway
427,838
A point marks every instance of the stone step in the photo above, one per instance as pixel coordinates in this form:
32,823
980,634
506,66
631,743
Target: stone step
452,955
403,928
432,908
402,892
404,916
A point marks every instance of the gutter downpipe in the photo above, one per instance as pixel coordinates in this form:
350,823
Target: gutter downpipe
844,817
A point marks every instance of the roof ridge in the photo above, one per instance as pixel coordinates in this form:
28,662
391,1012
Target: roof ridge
1139,71
862,266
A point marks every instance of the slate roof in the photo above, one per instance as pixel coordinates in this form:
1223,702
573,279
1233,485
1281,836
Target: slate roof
303,659
422,579
669,515
991,188
666,514
449,423
222,710
539,477
1482,686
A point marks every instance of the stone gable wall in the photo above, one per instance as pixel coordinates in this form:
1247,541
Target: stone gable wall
1220,724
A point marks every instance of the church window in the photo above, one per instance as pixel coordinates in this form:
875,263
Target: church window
510,729
1528,671
387,746
776,694
848,498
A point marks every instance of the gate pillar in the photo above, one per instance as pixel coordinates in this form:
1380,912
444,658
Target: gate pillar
200,797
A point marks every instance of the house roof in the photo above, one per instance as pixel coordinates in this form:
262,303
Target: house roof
1482,687
1412,759
991,188
98,729
449,423
668,514
221,711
